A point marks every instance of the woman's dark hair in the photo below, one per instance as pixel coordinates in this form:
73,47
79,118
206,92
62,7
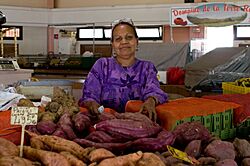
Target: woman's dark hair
123,23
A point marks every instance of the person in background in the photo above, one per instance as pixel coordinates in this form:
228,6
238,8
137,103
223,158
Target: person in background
113,81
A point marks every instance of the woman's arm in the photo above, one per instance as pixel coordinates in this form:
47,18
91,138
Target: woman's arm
152,86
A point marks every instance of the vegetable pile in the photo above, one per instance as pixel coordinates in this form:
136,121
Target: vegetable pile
65,136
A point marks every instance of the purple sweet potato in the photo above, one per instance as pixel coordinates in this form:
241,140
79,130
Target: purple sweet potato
65,119
46,127
106,116
220,150
194,148
113,147
69,132
101,137
242,147
32,128
207,161
189,131
226,162
81,122
173,161
128,129
159,143
66,124
60,133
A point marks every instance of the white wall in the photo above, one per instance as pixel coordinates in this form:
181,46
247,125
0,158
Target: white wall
36,20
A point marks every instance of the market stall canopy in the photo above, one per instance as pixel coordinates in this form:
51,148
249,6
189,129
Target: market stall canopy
164,55
219,65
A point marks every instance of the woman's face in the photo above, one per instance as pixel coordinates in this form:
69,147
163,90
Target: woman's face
124,41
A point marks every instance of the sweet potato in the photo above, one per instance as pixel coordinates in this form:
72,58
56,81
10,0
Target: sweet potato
47,158
73,160
207,160
46,127
245,162
37,144
194,148
81,122
242,147
159,143
129,159
100,154
102,137
226,162
66,124
60,133
173,161
128,129
113,147
58,144
16,161
220,150
7,148
150,159
69,132
189,131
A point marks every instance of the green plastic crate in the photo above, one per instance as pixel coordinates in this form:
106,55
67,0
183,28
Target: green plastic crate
207,121
227,119
196,118
217,123
227,133
185,120
243,130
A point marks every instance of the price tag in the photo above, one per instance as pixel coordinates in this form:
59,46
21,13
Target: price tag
23,116
181,155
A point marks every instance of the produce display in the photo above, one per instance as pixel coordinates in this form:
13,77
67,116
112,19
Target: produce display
66,136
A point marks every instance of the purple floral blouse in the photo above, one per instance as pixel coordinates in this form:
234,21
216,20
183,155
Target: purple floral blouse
112,85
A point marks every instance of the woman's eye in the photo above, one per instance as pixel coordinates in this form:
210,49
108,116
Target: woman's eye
129,37
118,39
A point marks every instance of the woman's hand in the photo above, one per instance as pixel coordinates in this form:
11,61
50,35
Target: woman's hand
148,108
92,106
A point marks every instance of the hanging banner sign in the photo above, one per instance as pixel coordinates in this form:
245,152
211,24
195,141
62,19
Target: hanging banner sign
213,14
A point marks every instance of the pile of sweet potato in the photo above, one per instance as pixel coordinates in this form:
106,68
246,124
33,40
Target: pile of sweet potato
55,151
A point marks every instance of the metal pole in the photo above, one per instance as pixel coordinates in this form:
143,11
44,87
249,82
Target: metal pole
1,42
15,42
93,39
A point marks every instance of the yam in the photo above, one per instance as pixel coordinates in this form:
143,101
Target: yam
58,144
16,161
150,159
129,159
73,160
100,154
8,148
47,158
